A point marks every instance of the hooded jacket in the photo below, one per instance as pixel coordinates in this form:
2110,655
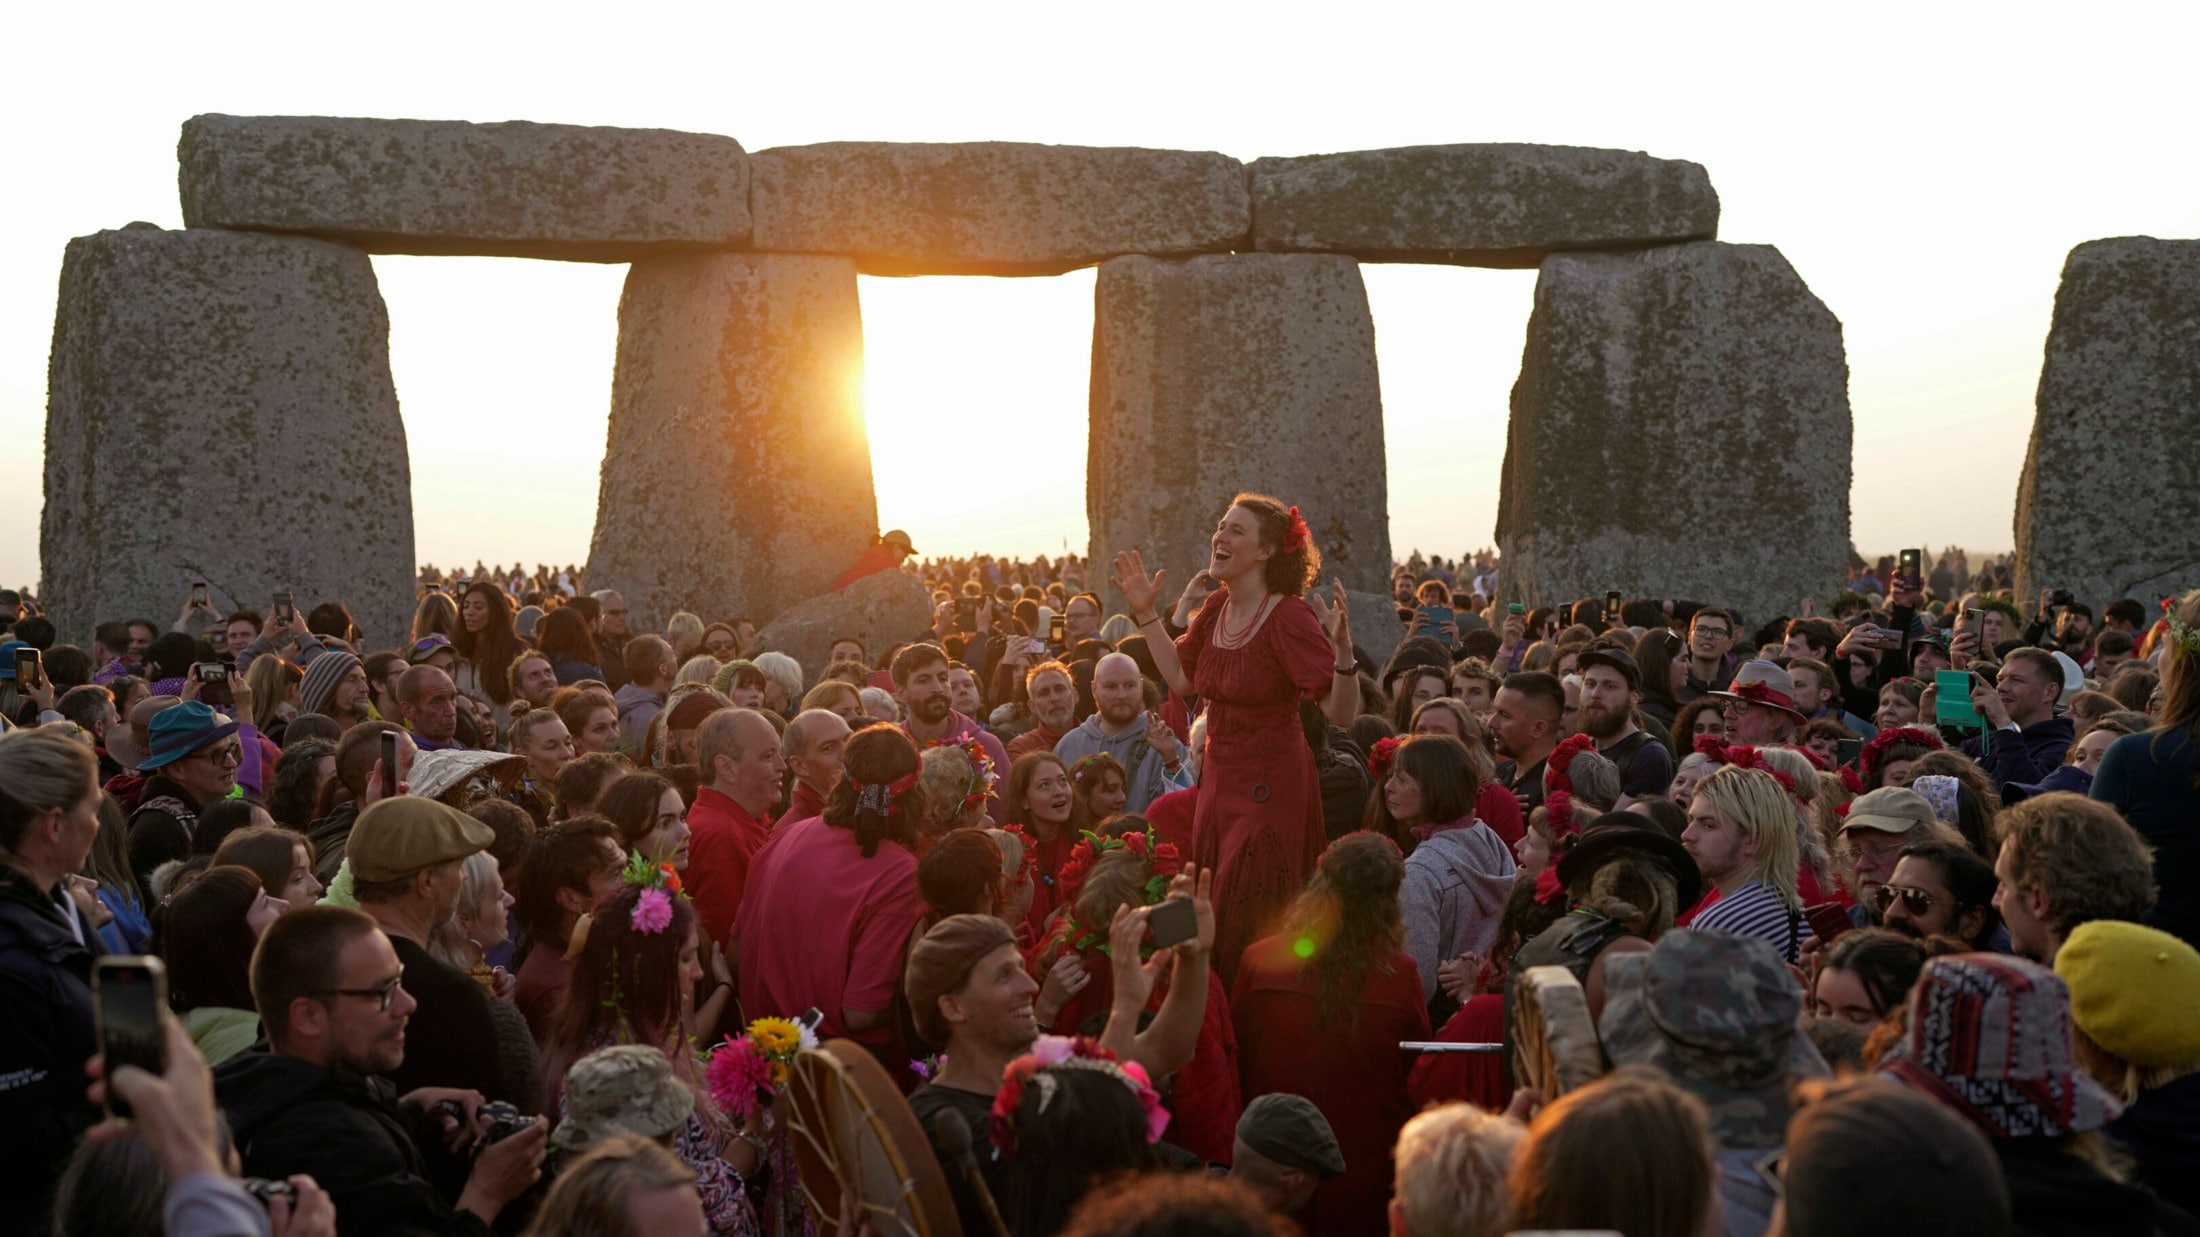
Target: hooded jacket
1455,889
331,837
347,1131
638,706
1144,782
45,985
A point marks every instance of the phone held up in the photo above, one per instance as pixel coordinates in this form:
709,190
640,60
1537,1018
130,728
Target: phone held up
1913,567
128,994
29,671
198,595
283,607
1172,922
389,764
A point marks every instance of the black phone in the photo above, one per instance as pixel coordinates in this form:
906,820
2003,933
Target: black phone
1172,923
198,593
1845,751
210,672
966,611
1057,631
1611,605
389,764
28,671
128,994
283,606
2060,598
1913,566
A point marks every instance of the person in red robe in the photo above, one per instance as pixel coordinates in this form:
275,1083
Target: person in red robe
1042,802
1320,1010
893,546
832,900
731,819
1251,655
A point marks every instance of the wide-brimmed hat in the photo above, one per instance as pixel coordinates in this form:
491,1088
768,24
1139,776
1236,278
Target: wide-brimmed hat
129,743
623,1089
1989,1036
437,773
181,729
1765,683
1601,842
1717,1012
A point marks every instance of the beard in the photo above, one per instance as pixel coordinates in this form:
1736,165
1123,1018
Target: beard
932,710
1121,718
1602,723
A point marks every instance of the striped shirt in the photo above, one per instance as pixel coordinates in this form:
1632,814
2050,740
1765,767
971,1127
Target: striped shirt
1753,910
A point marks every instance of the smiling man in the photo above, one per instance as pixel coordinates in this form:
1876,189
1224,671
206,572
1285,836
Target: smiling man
1053,696
923,679
2027,740
1152,759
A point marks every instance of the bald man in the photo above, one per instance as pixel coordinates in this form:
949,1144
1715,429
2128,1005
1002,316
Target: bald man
815,745
1123,727
738,751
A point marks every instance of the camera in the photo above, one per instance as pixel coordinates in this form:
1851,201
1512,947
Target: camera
268,1191
504,1121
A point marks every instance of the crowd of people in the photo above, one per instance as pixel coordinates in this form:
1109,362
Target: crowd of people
1166,907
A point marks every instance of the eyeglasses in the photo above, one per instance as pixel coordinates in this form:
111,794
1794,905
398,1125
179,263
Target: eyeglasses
1915,901
381,994
1716,633
227,754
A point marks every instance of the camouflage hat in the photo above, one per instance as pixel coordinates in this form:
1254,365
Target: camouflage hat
625,1089
1716,1012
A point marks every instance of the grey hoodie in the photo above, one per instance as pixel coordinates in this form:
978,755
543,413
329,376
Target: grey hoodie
638,706
1454,894
1144,784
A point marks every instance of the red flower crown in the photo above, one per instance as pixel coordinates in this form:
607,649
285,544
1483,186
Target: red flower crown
1060,1052
1562,759
1743,756
1029,868
1876,750
1144,843
982,773
1295,534
1386,750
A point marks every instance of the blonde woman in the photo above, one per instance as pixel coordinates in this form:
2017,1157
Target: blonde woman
684,631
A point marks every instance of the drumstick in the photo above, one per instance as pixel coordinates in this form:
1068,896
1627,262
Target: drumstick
1415,1045
954,1133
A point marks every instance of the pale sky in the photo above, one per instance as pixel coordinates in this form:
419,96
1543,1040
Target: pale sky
1925,172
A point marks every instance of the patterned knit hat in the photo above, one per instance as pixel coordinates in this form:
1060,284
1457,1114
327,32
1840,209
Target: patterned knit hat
1989,1036
323,673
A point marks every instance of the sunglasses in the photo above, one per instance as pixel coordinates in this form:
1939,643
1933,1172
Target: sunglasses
1915,901
436,641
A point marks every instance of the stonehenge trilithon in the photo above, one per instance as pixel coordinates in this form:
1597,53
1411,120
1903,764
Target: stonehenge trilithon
1680,428
220,409
2108,504
737,478
1500,204
1236,372
995,208
447,187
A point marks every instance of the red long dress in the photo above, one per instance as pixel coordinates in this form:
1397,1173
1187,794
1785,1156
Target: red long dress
1355,1074
1259,819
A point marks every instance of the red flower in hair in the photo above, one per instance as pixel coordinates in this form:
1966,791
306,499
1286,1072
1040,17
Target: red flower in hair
1562,758
1853,782
1295,535
1386,750
1547,889
1135,843
1743,756
1711,745
1558,813
1876,750
1167,861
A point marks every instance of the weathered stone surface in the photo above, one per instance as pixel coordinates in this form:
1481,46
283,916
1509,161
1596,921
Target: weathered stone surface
1236,372
2108,504
1680,428
449,187
1376,630
994,208
880,609
737,478
220,409
1499,204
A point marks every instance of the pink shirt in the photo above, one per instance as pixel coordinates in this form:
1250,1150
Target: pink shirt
823,927
722,840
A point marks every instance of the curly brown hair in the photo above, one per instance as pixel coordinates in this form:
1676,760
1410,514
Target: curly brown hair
1349,912
1290,572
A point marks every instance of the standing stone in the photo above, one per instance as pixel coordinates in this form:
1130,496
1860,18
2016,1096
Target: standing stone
515,189
737,478
2108,505
994,208
220,409
1500,204
881,609
1227,373
1680,428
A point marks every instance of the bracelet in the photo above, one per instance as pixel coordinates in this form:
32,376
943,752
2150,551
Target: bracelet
1348,670
1148,621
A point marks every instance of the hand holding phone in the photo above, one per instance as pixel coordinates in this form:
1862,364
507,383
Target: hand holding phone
29,670
129,994
389,764
1952,699
1172,923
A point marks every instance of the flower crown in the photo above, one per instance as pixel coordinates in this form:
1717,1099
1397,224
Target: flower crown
1295,534
1144,843
659,885
1876,750
1028,869
1087,764
1057,1052
2186,636
1561,761
1743,756
982,772
1385,751
884,798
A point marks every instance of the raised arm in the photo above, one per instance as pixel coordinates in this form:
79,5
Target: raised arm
1142,593
1342,704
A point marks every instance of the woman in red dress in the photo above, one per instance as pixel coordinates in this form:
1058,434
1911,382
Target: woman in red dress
1320,1011
1250,656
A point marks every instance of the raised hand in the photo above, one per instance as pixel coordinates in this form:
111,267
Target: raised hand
1335,613
1140,591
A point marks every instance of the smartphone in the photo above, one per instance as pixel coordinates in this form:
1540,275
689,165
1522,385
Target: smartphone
1952,699
210,672
1033,646
2061,598
1913,566
1434,617
1516,608
1611,605
1172,922
27,669
128,994
1845,751
966,611
198,593
389,764
1058,631
1827,920
282,606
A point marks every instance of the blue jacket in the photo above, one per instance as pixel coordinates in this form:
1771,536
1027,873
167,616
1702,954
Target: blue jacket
2026,755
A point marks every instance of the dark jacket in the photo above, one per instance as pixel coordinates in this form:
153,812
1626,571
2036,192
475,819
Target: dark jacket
459,1046
46,1036
2026,755
347,1131
161,828
2162,1133
2150,778
2053,1193
330,835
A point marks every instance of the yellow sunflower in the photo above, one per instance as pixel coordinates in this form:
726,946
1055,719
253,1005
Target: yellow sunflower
777,1038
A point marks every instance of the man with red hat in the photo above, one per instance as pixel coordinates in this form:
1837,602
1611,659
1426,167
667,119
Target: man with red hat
1760,706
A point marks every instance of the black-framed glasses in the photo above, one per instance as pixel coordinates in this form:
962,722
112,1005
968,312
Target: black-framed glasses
381,994
1916,901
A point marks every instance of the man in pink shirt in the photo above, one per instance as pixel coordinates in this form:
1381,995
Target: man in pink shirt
921,680
832,900
815,745
738,751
